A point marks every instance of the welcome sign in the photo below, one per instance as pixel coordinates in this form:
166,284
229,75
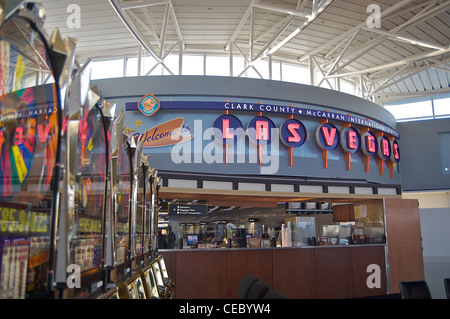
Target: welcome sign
167,133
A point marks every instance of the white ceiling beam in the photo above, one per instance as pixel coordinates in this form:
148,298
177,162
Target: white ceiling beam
176,25
405,73
282,9
322,72
162,36
252,29
288,19
365,48
263,55
281,24
249,65
240,25
336,61
125,19
145,26
410,59
323,5
352,30
385,84
133,5
406,39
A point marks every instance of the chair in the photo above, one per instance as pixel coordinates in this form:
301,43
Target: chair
258,290
244,286
274,294
415,290
447,287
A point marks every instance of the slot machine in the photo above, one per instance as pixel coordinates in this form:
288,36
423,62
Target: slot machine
34,75
142,220
136,217
121,231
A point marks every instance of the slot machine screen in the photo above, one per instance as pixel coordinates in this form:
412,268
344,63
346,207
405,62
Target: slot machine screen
136,289
90,191
151,283
158,274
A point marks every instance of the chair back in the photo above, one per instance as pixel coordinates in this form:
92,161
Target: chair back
415,290
244,286
447,287
258,290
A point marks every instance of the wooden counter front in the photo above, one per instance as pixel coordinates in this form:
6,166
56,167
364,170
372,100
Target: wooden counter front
299,273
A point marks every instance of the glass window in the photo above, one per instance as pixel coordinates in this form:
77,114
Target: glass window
347,87
132,67
295,73
172,62
238,65
148,64
441,106
107,69
276,70
412,110
193,65
218,65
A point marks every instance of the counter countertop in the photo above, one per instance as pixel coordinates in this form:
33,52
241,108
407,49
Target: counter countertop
271,248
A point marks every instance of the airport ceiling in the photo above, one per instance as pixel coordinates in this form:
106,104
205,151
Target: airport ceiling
392,49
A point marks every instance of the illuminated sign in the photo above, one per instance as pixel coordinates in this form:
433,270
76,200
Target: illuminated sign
353,134
228,129
293,133
261,130
327,136
350,140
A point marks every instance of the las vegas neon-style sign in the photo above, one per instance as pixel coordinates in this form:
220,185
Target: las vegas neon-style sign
228,129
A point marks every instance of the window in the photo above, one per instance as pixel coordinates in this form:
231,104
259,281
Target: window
295,73
411,111
441,107
132,67
218,65
193,65
107,69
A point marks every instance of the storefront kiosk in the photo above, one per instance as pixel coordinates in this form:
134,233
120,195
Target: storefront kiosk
324,164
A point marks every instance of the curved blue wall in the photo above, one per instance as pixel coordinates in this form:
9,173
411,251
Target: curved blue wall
307,159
